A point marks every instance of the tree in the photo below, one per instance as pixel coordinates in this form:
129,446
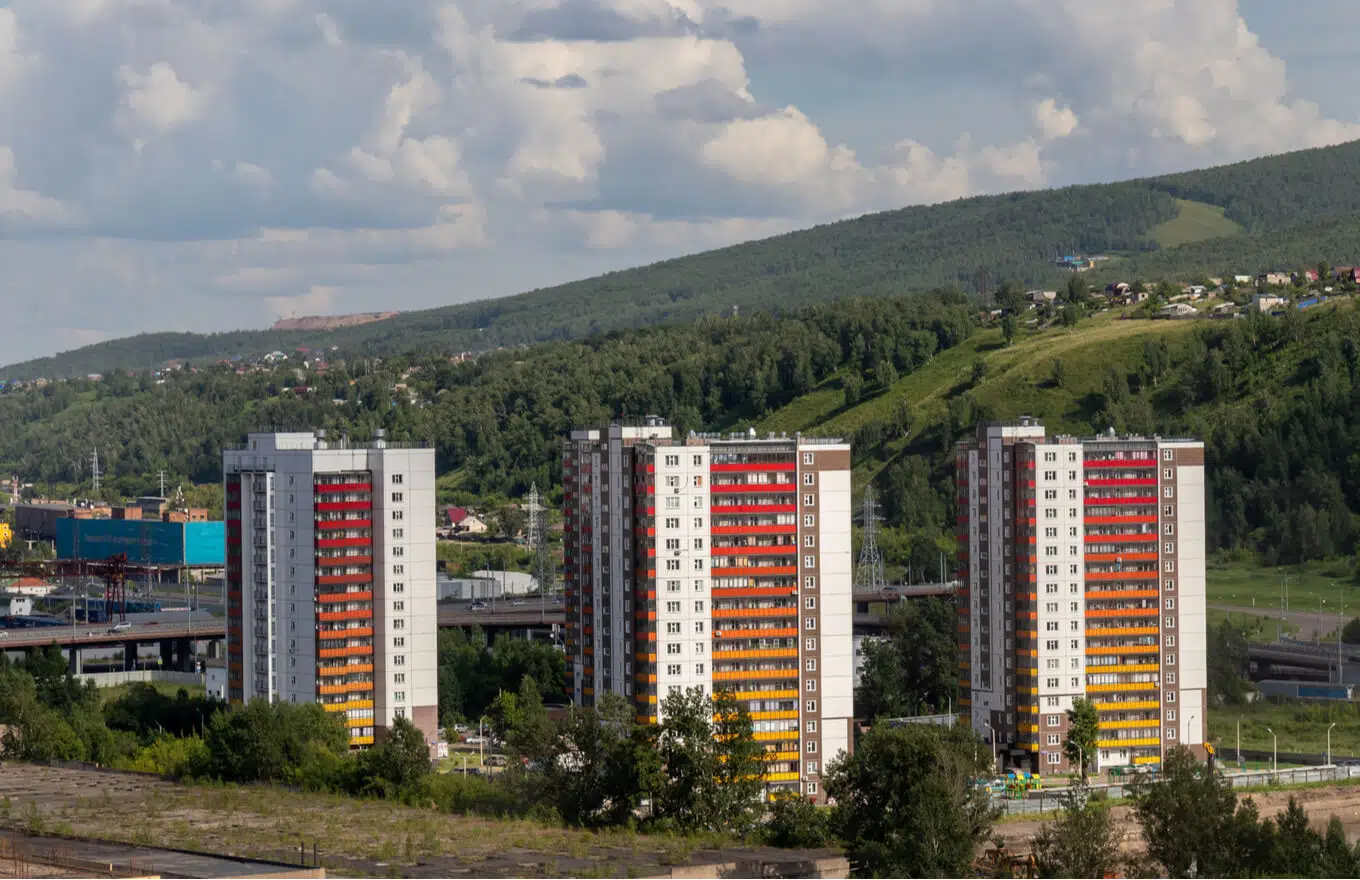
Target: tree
797,823
522,722
1227,661
740,766
913,670
713,767
276,742
1070,316
1083,733
853,385
1009,325
1191,820
1059,375
605,765
1077,288
906,802
400,761
1350,633
1084,841
509,521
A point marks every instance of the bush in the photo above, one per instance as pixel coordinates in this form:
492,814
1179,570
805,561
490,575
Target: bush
795,823
183,758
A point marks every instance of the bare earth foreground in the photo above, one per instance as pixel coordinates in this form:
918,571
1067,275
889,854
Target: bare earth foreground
358,838
1321,803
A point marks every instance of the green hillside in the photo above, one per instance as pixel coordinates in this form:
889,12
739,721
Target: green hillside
1296,209
904,378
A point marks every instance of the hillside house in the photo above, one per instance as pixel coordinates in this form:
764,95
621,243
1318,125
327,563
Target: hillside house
1118,289
1241,279
1274,279
1306,277
1266,302
1347,273
1040,297
1178,310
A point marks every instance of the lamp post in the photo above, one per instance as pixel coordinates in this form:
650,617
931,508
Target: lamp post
481,740
1239,741
995,766
1274,752
1329,743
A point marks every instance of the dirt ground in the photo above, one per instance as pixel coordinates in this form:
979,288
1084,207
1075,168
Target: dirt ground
1321,803
354,838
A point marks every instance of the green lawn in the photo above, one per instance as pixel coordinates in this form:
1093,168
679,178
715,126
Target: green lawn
1196,221
169,688
1247,585
1301,727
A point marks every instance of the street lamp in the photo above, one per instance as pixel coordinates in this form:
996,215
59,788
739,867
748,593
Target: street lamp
1239,741
1274,752
995,766
1329,743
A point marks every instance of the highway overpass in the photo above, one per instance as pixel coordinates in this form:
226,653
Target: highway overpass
175,641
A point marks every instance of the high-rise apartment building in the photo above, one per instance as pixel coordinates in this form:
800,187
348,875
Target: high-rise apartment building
331,578
718,563
1082,562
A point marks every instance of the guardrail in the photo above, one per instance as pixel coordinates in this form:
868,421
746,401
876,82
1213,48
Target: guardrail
1050,800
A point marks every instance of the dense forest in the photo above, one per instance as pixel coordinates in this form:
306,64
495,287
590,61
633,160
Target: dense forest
1297,208
905,377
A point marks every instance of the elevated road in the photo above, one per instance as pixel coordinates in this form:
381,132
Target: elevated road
104,636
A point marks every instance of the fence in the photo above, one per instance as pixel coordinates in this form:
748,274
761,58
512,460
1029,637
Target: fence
111,679
1050,800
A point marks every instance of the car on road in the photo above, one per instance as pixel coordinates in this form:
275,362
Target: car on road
517,602
120,627
479,605
476,740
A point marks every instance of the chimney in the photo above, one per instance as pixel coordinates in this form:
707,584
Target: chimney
380,438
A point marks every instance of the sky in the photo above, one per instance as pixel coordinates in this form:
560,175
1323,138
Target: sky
217,164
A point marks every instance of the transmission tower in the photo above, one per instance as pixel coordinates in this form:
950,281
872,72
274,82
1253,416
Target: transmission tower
94,470
869,576
544,570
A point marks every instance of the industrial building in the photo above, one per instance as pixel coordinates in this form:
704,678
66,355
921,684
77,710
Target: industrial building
717,563
147,542
331,578
1083,576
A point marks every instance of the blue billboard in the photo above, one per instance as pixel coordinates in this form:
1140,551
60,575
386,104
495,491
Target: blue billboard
145,542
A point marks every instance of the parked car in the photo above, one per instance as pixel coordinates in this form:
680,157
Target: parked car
476,740
479,605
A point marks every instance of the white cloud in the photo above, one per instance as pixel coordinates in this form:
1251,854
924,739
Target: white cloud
303,155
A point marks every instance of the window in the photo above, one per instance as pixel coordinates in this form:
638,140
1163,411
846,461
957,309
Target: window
1168,623
698,502
1051,645
809,520
399,569
672,543
698,543
1050,494
672,668
673,628
698,669
810,603
698,481
807,458
810,685
812,727
398,515
1050,589
1053,739
810,665
1169,529
1071,475
699,626
672,481
1051,682
398,659
672,565
1050,475
398,534
1171,733
672,461
398,588
812,747
699,607
1052,720
672,502
1169,566
1170,586
810,706
1170,604
698,522
1171,678
1167,455
810,623
811,768
672,648
1169,492
672,607
809,644
1170,659
1168,548
698,565
399,678
699,585
1050,456
398,498
810,582
672,586
809,562
809,540
1169,510
399,623
400,696
396,479
399,641
1170,641
1050,533
809,479
809,500
698,461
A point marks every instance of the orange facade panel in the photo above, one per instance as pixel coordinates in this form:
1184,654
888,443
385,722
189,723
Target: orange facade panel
756,571
758,654
756,674
1121,594
356,651
345,669
778,611
790,632
1121,612
1121,575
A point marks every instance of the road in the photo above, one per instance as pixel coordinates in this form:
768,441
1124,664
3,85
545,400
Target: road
1306,622
101,635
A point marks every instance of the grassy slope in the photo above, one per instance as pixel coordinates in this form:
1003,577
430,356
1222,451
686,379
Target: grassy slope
1195,221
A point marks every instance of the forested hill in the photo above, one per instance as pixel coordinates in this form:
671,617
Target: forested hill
1277,401
1278,212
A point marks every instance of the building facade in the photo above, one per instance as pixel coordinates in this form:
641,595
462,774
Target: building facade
331,579
1082,564
717,563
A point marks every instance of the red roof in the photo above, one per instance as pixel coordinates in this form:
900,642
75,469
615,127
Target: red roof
456,515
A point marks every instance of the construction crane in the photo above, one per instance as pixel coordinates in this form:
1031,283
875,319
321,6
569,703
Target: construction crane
113,572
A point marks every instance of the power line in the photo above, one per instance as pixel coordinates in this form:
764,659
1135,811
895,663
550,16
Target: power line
869,575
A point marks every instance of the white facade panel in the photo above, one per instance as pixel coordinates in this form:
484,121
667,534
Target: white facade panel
1191,578
837,604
